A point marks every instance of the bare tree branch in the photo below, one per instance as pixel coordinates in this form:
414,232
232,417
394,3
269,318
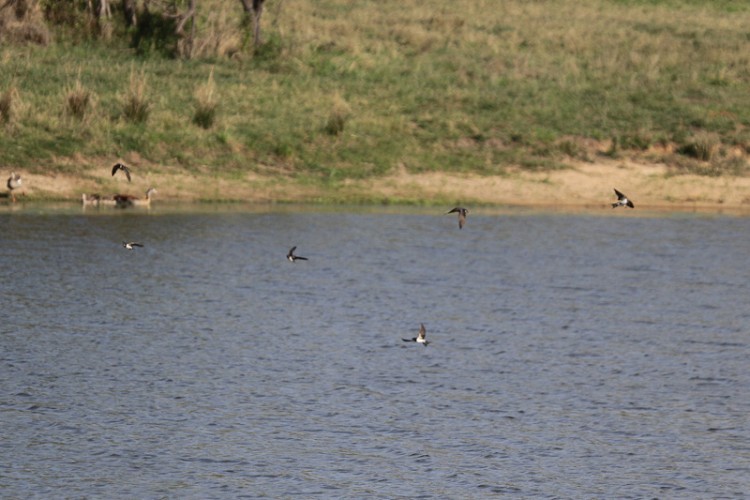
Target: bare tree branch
184,18
104,9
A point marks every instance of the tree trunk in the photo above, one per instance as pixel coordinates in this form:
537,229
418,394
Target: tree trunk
254,8
130,10
187,51
257,11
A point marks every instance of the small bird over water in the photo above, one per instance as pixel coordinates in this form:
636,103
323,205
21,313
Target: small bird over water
622,201
291,257
121,166
420,338
14,182
131,244
461,215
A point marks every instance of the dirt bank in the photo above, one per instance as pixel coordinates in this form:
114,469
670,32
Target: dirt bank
582,185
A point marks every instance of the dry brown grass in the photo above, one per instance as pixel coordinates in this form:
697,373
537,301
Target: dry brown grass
23,23
585,186
135,103
9,104
79,100
339,114
206,103
220,33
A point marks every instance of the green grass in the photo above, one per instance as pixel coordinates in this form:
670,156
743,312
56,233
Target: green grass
351,89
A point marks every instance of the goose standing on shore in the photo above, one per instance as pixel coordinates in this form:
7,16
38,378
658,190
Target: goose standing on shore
128,200
96,200
14,182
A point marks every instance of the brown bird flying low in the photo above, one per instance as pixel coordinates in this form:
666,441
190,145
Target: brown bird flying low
121,166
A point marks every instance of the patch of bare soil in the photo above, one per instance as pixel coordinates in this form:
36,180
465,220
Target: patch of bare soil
585,184
582,185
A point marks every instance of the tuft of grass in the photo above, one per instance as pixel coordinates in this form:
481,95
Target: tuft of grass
702,146
732,166
135,105
339,114
206,103
79,100
220,35
9,102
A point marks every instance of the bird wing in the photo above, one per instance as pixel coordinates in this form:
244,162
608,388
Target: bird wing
422,330
291,251
457,209
619,195
630,204
124,168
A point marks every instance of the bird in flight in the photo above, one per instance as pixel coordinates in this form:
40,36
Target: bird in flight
131,244
291,257
121,166
461,215
420,338
622,201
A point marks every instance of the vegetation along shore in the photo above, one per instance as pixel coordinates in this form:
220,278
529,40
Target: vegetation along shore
517,102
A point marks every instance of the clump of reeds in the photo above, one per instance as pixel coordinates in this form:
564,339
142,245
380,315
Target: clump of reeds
340,113
702,146
78,100
206,103
135,106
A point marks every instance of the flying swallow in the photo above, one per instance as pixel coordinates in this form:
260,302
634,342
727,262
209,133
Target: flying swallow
131,244
121,166
622,201
291,257
420,338
461,215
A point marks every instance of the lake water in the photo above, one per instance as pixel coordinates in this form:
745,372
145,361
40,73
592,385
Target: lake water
572,355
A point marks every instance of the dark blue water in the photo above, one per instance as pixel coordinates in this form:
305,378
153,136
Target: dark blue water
570,356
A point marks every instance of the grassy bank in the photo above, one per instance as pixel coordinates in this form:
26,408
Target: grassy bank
351,90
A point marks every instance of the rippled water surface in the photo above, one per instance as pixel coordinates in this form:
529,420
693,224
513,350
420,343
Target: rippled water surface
592,355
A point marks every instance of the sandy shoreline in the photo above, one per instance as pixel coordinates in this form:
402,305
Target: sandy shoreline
581,185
